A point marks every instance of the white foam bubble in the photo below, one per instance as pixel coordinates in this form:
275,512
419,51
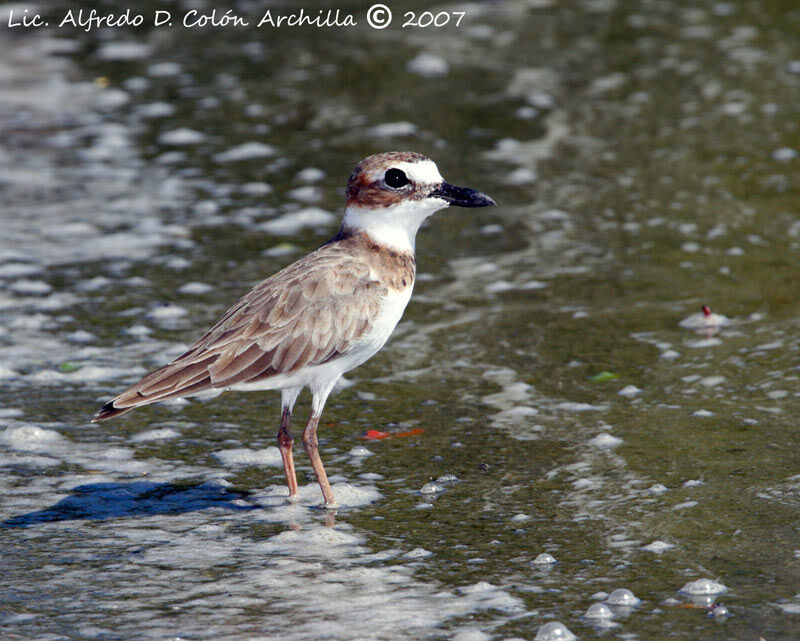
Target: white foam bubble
428,66
167,311
554,631
623,597
27,460
447,478
392,130
784,154
123,51
7,373
347,496
310,175
155,435
702,587
138,330
17,270
194,287
85,374
30,287
520,176
30,438
305,194
705,342
544,559
181,136
605,441
155,110
599,611
491,597
431,488
163,69
80,336
246,151
244,456
291,223
359,451
658,547
572,406
258,188
629,391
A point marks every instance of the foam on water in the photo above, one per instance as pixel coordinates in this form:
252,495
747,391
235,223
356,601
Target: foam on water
305,194
431,488
245,456
573,406
195,288
182,136
702,587
291,223
392,130
598,611
622,597
155,435
428,65
554,631
544,559
246,151
605,441
219,561
658,547
310,175
359,451
30,438
123,51
629,391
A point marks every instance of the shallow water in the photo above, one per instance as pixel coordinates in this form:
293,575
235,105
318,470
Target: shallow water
645,158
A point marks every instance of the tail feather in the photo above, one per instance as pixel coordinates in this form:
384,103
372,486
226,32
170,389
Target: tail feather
109,411
131,399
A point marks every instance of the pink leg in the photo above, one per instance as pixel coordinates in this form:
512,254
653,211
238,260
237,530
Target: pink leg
311,446
285,442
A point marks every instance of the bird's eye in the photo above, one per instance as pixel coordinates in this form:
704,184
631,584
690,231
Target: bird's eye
395,178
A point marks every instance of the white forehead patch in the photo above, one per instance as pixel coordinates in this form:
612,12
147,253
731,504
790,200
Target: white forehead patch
423,172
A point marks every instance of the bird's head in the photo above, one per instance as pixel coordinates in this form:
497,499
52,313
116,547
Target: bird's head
390,194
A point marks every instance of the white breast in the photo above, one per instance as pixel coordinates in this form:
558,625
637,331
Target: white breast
394,304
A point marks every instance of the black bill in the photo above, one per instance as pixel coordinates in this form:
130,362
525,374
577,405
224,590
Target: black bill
461,196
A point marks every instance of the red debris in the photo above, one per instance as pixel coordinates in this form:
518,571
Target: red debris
376,435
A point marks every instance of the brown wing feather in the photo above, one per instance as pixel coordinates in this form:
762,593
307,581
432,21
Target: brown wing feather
306,314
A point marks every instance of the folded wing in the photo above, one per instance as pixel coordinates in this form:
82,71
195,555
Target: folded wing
307,314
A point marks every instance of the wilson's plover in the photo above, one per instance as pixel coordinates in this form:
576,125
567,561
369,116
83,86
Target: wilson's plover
323,315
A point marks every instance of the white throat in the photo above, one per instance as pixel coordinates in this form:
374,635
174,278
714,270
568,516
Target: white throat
395,226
